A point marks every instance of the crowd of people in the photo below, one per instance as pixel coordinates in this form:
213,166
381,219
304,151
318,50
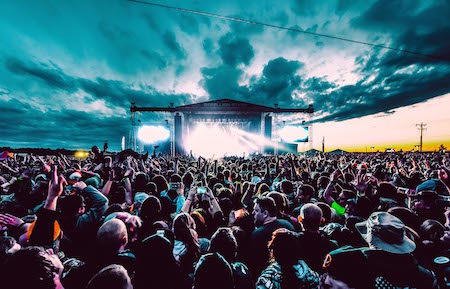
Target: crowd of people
127,220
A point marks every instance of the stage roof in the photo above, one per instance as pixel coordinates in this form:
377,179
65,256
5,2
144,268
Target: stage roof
223,105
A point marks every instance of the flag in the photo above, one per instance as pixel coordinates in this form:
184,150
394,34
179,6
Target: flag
5,154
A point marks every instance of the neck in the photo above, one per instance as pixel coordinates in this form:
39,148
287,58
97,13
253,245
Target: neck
269,220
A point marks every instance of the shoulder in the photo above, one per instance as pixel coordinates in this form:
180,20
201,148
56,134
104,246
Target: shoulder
285,224
305,274
270,277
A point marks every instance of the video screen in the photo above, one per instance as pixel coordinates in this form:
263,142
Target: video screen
294,134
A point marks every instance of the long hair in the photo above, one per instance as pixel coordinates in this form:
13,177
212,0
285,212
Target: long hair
184,231
283,251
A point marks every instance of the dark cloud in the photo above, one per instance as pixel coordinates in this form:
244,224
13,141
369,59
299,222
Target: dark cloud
235,50
276,84
171,43
403,15
67,128
221,82
51,76
113,92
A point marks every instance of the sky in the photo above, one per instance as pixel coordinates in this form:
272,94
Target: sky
70,69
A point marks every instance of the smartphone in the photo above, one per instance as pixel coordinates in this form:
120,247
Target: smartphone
174,186
201,190
239,213
160,233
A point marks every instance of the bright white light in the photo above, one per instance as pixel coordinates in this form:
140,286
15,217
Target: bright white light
212,140
152,134
294,134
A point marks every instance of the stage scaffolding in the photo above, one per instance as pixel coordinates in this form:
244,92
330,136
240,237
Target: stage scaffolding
249,117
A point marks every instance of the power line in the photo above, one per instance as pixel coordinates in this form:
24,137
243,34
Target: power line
235,19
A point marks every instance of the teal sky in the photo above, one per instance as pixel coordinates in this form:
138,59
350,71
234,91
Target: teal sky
69,69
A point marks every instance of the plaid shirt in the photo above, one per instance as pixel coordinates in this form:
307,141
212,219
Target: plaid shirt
271,277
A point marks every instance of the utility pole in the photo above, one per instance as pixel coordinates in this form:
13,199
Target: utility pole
323,144
421,126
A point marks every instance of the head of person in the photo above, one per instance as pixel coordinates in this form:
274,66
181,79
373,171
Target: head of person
280,199
112,277
207,270
431,230
72,206
224,243
161,183
34,267
304,194
262,188
140,182
150,210
344,196
112,236
281,247
311,216
188,179
264,210
287,187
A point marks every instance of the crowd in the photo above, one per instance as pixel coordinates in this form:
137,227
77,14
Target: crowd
127,220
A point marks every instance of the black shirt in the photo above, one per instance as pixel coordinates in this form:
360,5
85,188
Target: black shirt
313,247
258,258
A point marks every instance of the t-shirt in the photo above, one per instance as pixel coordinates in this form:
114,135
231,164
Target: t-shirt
258,258
313,248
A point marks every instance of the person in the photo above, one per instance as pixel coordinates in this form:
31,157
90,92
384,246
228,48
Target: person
389,254
186,249
224,243
112,277
305,194
33,267
266,222
312,246
80,216
209,267
156,266
286,270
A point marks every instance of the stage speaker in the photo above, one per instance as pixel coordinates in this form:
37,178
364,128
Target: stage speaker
178,127
268,133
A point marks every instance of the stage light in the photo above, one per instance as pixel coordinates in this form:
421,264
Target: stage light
150,134
210,140
294,134
81,154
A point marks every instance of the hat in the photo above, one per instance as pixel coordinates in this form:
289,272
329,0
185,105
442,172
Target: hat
256,179
426,195
433,185
386,232
75,176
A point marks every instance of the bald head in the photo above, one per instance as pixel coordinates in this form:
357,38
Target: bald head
311,217
112,235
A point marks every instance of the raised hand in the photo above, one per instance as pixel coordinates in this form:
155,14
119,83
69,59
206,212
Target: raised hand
55,189
10,221
361,182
